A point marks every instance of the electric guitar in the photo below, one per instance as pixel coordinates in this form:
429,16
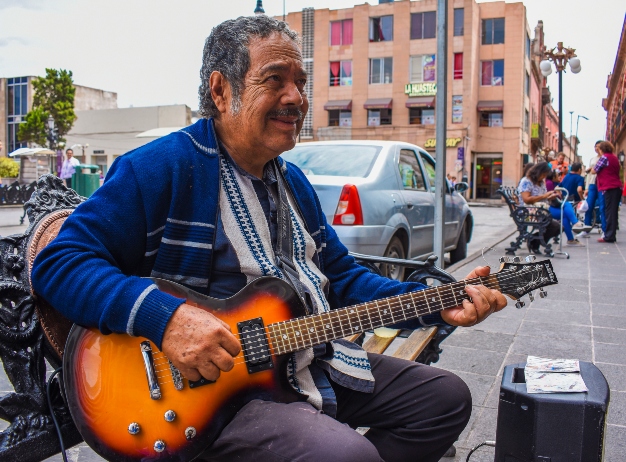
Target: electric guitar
131,404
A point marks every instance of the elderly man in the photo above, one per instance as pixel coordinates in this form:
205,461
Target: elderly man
207,207
69,167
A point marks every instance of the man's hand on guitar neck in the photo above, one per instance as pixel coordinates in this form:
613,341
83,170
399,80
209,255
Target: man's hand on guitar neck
199,344
484,302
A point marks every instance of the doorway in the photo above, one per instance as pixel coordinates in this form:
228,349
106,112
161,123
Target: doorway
488,176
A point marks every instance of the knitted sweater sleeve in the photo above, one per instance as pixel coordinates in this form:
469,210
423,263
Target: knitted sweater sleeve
88,272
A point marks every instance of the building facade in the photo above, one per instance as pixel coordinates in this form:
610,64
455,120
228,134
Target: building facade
615,102
373,76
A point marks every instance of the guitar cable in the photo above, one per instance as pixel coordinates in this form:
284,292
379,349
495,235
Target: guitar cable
54,418
484,443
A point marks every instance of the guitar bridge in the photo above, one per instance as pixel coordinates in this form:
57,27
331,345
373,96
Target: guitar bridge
254,345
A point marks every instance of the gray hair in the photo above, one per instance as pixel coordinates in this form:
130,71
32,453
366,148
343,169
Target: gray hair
226,51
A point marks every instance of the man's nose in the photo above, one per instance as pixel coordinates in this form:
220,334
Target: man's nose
291,94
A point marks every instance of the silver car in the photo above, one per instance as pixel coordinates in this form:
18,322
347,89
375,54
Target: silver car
379,197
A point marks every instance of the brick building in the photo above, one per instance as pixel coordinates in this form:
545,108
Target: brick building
615,102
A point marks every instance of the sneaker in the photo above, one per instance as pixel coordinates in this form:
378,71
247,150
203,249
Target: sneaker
575,242
579,225
583,234
605,241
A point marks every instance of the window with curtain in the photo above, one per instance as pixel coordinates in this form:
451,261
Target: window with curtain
492,73
459,19
377,117
381,70
490,119
339,118
423,25
341,32
340,73
423,68
421,116
493,31
381,29
458,66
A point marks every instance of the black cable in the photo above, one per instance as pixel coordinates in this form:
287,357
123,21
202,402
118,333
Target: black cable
484,443
54,418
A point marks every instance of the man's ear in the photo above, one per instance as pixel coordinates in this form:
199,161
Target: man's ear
220,91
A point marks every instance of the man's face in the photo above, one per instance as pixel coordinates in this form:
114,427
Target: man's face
561,159
273,101
69,154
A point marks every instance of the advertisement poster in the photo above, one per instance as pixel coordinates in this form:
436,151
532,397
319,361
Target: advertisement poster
457,109
373,120
430,68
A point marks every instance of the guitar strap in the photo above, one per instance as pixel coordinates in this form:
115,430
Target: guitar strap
284,240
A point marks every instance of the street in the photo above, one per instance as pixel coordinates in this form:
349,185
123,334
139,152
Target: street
582,318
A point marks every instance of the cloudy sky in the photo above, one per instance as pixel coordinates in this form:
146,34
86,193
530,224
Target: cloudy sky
149,51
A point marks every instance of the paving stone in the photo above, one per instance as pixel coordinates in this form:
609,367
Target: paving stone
552,303
609,335
609,309
472,360
552,348
543,314
499,325
615,444
617,409
618,322
608,353
475,337
615,375
602,295
479,385
556,331
483,428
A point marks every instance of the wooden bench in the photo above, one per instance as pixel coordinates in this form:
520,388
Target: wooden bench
531,223
33,334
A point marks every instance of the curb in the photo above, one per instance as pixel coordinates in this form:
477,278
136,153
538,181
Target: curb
475,255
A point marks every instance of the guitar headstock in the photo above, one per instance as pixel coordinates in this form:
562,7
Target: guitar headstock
517,278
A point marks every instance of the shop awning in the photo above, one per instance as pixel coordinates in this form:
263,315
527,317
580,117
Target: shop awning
340,104
490,106
421,101
378,103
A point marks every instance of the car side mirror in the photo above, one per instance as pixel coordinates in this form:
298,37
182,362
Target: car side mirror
461,187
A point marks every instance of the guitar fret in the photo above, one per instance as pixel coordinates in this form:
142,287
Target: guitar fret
275,339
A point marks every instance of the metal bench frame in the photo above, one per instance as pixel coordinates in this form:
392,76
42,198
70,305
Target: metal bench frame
31,332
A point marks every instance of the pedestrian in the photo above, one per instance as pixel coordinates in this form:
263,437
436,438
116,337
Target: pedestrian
560,168
69,167
610,187
574,183
593,198
550,184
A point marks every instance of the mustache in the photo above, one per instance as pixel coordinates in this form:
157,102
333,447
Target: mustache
287,112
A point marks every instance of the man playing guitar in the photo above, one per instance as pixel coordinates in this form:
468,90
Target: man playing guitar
213,208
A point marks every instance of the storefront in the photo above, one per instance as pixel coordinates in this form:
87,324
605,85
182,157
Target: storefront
487,176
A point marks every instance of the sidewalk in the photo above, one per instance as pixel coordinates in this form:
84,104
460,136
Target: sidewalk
583,317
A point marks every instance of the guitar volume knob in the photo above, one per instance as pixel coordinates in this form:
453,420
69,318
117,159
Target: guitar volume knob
169,416
159,445
133,428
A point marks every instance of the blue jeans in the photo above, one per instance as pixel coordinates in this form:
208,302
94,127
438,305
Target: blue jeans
595,198
569,218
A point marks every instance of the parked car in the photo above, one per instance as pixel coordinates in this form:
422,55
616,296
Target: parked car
379,196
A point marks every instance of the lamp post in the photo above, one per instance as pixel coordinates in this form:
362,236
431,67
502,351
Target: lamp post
621,157
560,56
259,8
578,117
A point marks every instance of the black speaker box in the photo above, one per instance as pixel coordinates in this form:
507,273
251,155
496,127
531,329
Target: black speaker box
551,427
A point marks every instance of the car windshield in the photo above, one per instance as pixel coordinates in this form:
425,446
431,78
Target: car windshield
334,160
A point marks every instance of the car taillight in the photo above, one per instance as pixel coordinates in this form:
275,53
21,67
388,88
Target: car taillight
349,207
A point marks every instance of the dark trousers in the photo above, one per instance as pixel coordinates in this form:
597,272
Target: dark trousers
611,209
68,182
415,414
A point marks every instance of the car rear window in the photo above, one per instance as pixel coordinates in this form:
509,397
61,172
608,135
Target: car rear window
334,160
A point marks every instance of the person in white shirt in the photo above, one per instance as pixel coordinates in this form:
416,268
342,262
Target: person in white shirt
69,167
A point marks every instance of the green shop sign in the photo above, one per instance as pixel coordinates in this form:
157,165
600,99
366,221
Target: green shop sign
420,89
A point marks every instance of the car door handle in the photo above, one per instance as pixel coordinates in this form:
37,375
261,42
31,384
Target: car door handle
409,205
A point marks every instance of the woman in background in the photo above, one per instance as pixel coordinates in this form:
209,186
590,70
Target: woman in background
610,186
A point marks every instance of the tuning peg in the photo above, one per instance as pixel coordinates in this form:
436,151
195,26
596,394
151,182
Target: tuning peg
531,297
520,304
517,259
543,293
530,258
503,259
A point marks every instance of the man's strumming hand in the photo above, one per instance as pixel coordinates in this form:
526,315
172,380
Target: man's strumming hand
484,302
199,344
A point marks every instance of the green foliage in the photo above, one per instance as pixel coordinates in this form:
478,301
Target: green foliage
9,168
34,128
53,95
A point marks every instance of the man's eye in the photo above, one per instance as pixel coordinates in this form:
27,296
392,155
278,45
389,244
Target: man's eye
274,78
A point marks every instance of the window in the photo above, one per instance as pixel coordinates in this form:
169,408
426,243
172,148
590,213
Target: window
340,73
526,84
527,46
341,32
381,70
421,116
493,73
410,171
429,167
491,119
381,29
459,18
493,31
526,121
423,68
339,118
377,117
423,25
17,108
458,66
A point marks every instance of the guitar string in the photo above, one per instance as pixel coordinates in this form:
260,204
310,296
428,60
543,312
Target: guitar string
310,339
393,306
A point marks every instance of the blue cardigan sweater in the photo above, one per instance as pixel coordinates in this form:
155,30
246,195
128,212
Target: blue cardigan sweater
155,215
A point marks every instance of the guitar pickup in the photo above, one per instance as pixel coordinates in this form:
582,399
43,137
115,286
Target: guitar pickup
254,345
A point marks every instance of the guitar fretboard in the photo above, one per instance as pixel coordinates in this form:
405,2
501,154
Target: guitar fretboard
305,332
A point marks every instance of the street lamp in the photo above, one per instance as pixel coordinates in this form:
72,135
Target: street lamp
621,157
52,133
560,58
578,120
259,8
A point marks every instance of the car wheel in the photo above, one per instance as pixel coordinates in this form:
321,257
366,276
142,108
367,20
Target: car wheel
460,252
395,249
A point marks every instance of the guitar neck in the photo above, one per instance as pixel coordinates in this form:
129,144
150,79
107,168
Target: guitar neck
300,333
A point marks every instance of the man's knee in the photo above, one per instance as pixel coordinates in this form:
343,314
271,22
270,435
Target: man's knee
458,398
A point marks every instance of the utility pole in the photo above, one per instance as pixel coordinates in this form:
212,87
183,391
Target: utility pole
441,107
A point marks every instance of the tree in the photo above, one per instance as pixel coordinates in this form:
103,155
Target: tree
53,96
